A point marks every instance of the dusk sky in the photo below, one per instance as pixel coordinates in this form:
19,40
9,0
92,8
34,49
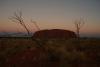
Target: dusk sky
52,14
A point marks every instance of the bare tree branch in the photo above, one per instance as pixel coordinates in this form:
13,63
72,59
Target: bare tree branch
35,23
79,24
17,17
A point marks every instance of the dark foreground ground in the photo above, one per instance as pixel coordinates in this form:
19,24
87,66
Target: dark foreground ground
25,52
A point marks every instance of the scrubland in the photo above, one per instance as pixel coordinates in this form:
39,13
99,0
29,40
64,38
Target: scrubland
26,52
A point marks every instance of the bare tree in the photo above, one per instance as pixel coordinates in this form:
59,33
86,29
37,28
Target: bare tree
17,17
35,23
79,24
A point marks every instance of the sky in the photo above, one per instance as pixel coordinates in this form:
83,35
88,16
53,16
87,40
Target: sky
50,14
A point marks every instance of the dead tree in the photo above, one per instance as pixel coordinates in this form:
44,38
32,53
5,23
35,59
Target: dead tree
78,25
17,17
35,23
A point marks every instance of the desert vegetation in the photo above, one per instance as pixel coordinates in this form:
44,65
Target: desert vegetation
25,52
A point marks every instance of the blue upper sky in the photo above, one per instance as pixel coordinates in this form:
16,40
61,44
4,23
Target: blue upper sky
52,14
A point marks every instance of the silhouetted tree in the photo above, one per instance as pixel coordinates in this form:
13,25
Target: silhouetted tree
17,17
79,24
35,23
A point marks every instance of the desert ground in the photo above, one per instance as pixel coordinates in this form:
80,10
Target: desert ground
27,52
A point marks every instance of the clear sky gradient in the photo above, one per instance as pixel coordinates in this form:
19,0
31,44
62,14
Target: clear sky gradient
52,14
